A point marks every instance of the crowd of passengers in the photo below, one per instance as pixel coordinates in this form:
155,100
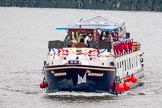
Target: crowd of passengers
108,36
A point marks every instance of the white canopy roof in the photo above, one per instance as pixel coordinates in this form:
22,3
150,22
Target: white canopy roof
96,23
101,21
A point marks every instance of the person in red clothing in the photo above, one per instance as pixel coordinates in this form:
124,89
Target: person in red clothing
130,45
115,49
120,47
125,47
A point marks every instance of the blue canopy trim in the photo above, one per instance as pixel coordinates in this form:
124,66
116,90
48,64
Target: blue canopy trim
62,28
110,27
65,27
93,27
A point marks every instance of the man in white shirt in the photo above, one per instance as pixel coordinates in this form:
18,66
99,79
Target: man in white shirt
88,39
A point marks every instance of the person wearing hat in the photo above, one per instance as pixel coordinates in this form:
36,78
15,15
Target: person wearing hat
88,39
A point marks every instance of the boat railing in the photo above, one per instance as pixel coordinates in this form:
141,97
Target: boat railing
95,44
56,44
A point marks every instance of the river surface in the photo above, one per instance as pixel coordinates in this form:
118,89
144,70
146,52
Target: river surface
24,35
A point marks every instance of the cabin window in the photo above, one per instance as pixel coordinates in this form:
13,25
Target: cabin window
130,63
136,61
117,65
120,64
125,65
133,62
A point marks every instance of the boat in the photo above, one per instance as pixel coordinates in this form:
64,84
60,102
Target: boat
112,62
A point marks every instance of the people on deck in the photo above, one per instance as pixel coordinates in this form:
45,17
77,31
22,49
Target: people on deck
104,37
82,39
67,40
109,38
101,35
74,41
88,39
79,37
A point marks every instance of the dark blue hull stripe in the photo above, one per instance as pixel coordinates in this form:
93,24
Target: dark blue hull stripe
110,69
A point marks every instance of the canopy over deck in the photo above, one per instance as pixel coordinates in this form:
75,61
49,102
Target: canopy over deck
95,23
101,21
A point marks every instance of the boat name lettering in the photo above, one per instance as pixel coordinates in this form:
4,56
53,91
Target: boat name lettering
95,74
60,74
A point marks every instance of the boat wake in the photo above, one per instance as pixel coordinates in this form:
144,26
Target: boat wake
84,94
78,96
